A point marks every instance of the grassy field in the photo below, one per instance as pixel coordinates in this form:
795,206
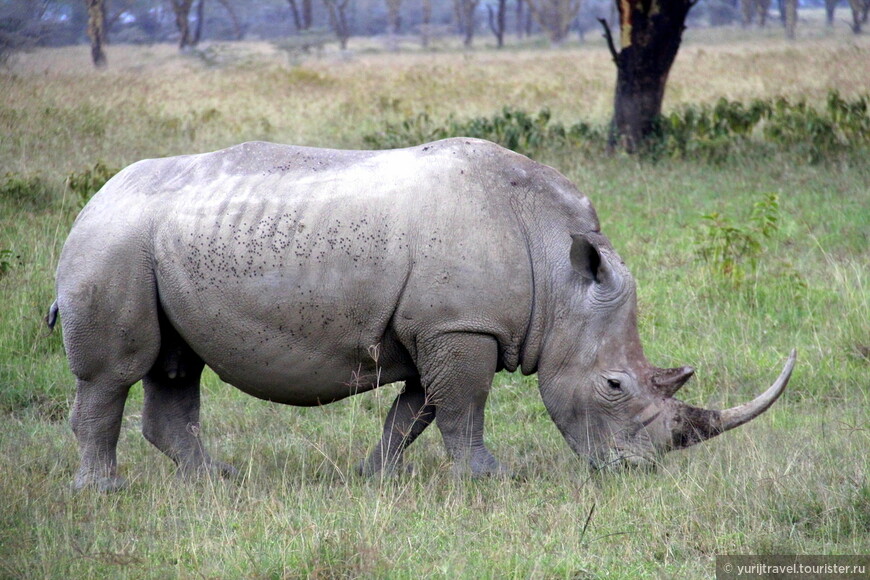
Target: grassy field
795,481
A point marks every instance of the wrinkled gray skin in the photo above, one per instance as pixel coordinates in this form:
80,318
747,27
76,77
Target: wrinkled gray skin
303,276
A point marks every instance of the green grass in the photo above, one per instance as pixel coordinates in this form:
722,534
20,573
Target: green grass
793,481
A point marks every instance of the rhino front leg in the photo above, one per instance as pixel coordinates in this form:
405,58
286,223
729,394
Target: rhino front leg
408,417
457,371
170,414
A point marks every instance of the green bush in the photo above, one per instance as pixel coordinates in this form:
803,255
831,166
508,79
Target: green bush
517,130
719,132
710,133
28,191
732,251
86,183
7,261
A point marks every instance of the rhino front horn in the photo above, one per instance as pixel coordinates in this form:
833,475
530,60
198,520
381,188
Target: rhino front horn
693,425
737,416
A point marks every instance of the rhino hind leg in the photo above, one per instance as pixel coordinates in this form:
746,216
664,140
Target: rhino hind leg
170,413
408,417
109,349
457,371
96,421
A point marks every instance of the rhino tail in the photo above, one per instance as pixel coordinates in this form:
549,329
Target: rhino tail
51,317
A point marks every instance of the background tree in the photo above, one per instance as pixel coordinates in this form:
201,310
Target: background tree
791,13
554,17
650,32
337,11
860,10
426,24
394,22
181,9
465,12
523,19
238,28
302,14
97,31
750,9
498,20
830,8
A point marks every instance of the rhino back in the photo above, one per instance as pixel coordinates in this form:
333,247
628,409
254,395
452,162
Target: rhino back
289,270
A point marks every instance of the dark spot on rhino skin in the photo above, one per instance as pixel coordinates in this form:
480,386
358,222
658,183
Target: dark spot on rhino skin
514,183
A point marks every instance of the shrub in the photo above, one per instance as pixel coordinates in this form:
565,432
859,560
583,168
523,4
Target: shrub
30,191
89,181
709,133
7,261
517,130
731,250
718,132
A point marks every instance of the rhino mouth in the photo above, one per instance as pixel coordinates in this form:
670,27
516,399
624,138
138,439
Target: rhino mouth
619,462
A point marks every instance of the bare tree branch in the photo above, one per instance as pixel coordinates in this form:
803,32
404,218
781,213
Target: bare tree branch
610,44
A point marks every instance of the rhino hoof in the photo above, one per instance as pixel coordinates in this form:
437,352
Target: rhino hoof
101,484
225,470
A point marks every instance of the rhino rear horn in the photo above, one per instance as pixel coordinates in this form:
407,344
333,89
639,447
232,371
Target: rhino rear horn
669,381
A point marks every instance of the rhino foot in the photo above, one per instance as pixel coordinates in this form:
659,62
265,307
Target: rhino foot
216,469
105,484
367,468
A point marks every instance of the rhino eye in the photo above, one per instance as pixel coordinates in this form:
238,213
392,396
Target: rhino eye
614,384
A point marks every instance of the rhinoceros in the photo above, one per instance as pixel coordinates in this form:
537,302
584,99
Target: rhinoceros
303,276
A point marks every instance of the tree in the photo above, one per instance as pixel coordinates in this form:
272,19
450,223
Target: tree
302,14
650,32
830,7
860,10
497,20
394,22
524,20
466,22
749,9
181,9
97,31
394,15
791,11
238,29
337,11
425,26
554,16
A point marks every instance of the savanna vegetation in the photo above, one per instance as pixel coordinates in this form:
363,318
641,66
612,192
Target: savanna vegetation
746,228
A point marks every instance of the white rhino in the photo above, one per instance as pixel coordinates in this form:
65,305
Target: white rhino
304,276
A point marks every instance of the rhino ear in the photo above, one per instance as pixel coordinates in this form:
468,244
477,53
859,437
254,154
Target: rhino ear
585,258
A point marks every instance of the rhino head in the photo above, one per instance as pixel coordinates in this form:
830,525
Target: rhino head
608,401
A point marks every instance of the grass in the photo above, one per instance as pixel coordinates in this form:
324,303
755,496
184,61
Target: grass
794,481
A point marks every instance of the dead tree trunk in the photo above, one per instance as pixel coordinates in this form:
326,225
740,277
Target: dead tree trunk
97,31
301,16
238,29
791,13
830,8
650,36
181,9
860,9
497,21
337,11
466,22
554,17
200,19
426,25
